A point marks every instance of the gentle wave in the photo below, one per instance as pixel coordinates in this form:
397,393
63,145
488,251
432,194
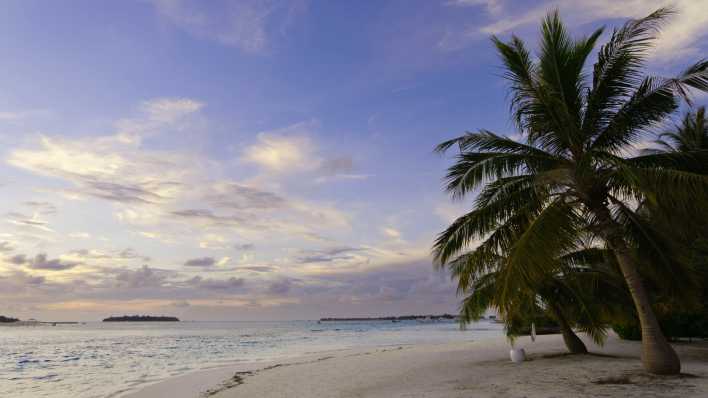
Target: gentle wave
99,360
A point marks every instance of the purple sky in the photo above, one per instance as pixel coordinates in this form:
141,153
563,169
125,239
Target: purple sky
251,159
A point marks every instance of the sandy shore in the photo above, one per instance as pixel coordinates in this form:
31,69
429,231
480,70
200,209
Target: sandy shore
476,369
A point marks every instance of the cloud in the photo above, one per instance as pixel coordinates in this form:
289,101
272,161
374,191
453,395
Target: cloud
115,167
161,193
105,169
680,37
391,233
237,196
291,150
41,262
138,189
19,281
6,247
112,256
43,208
330,255
200,262
208,217
340,165
338,169
216,284
493,7
280,287
157,115
245,24
413,282
170,110
24,221
259,268
213,241
18,259
80,235
395,288
281,153
141,277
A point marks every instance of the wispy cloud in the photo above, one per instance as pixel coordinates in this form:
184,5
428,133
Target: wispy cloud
391,233
162,193
246,24
681,37
266,243
287,150
6,247
200,262
333,254
292,150
230,284
42,262
492,6
109,257
155,116
31,222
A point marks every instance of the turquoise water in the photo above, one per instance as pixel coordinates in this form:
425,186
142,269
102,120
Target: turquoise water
107,359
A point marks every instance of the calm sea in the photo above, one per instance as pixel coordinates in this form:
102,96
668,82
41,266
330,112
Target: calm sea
108,359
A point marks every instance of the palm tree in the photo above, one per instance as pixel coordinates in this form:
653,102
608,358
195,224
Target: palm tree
570,296
691,135
572,176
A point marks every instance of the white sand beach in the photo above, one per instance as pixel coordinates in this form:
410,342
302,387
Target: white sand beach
476,369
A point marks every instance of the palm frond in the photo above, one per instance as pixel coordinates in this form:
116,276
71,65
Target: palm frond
554,230
651,103
617,72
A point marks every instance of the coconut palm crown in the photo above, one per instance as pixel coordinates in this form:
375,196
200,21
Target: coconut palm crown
691,135
572,174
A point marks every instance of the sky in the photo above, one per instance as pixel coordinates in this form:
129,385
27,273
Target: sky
252,160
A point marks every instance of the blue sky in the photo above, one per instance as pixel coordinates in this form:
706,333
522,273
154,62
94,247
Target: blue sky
251,159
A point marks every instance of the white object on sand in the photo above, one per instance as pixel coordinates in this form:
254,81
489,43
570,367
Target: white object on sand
517,355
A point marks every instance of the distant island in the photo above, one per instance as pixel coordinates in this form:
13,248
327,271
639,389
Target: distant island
394,318
4,319
141,318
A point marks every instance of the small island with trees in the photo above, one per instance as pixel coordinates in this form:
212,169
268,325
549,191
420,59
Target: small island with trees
4,319
141,318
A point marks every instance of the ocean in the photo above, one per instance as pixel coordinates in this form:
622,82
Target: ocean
110,359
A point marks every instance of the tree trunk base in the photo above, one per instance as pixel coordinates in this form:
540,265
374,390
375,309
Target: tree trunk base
658,357
573,342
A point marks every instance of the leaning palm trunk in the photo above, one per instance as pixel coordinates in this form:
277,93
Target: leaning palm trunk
571,340
657,354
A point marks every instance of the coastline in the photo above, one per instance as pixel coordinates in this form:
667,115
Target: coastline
481,368
209,382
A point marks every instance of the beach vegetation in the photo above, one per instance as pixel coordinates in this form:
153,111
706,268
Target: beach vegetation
575,170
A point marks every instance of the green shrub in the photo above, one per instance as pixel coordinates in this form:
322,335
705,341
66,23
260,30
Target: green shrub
628,331
675,326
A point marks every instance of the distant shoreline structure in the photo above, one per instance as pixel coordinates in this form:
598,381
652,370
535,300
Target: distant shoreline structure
141,318
395,318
